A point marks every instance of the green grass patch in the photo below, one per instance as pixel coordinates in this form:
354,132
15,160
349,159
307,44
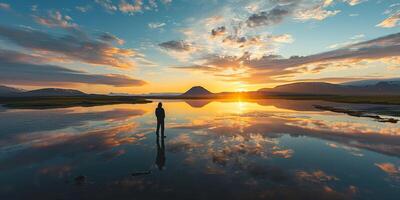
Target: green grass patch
62,102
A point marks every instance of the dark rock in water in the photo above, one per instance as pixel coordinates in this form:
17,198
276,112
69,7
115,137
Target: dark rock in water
139,173
80,179
356,113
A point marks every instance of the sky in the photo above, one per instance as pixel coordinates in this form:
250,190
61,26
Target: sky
154,46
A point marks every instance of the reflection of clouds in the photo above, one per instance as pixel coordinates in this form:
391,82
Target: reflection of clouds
389,168
56,170
182,143
113,154
352,150
346,127
47,146
392,171
315,177
361,133
100,138
14,123
287,153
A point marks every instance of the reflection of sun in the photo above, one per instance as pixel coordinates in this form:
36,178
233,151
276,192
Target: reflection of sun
241,106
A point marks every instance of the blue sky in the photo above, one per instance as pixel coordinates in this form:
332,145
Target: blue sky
139,46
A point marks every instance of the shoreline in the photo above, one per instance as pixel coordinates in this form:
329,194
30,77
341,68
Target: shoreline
96,100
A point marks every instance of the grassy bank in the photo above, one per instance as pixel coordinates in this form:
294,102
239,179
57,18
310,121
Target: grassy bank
62,102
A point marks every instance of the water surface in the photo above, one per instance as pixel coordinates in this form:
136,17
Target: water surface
269,149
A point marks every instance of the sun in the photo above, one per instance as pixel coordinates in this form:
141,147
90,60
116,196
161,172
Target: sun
241,88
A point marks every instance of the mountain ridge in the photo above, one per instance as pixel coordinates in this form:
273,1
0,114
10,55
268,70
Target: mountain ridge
6,91
323,88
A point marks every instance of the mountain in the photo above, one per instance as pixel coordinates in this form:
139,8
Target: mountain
307,88
373,82
322,88
53,92
163,94
9,91
197,91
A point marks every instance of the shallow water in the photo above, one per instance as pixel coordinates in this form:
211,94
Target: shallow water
270,149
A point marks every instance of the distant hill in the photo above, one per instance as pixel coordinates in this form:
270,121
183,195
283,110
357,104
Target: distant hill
368,82
53,92
9,91
321,88
197,91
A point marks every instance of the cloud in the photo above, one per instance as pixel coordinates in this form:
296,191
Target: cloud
175,45
391,21
353,2
218,31
166,1
300,10
393,11
359,36
155,25
108,37
353,40
34,8
179,49
22,69
271,17
284,38
316,12
107,4
56,19
236,30
5,6
73,46
83,8
269,67
129,8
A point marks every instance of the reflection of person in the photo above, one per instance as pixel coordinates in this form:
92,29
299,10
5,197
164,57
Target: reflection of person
160,114
160,159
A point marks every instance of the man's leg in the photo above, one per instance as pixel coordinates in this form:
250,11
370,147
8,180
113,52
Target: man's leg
162,128
158,127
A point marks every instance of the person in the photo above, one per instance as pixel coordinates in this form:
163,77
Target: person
160,114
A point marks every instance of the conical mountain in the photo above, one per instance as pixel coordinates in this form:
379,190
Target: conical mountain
197,91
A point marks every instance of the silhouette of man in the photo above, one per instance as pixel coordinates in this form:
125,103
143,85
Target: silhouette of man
160,159
160,114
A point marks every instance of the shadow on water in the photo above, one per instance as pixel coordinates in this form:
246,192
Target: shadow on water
160,159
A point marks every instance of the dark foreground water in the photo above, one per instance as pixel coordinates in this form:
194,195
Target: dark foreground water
271,149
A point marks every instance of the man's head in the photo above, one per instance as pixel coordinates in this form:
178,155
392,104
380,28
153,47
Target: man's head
159,105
